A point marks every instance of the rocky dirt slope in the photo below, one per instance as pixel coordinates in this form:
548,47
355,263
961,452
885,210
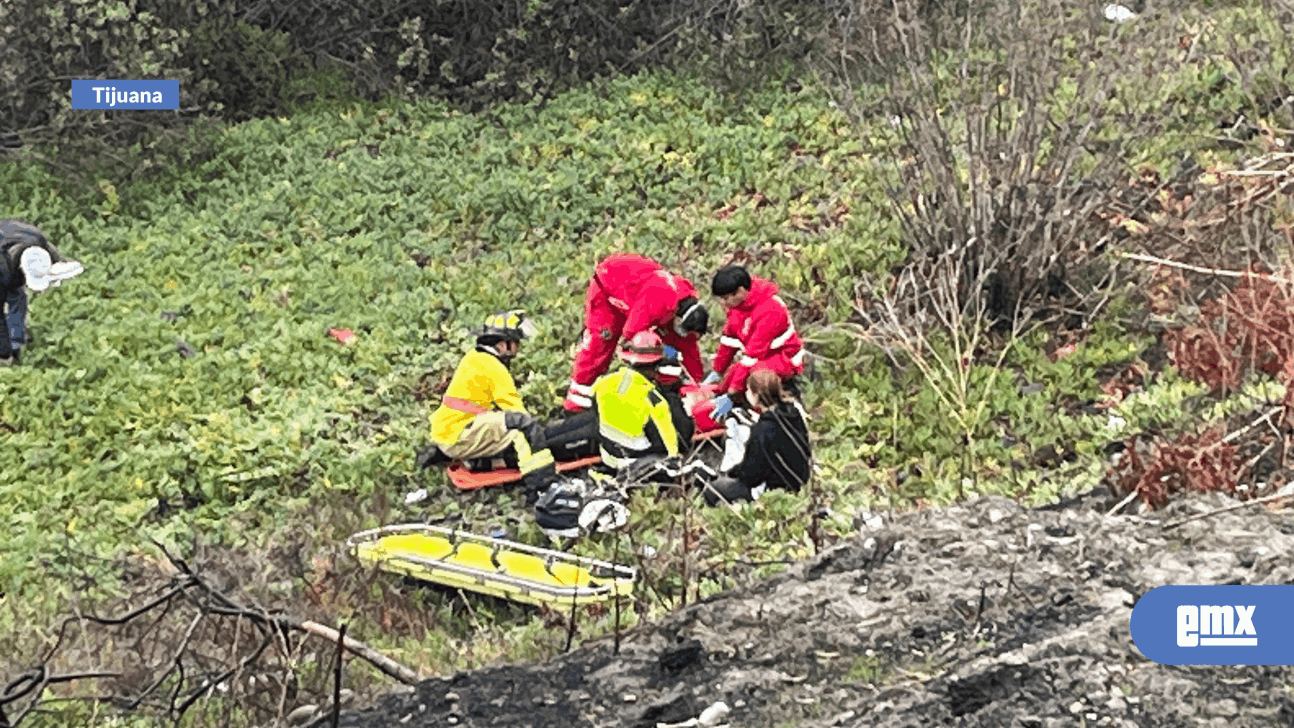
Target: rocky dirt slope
983,614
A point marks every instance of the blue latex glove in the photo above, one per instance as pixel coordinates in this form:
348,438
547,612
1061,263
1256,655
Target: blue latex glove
711,378
670,352
722,406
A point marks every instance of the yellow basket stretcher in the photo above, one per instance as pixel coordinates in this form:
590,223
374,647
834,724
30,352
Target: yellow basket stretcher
494,566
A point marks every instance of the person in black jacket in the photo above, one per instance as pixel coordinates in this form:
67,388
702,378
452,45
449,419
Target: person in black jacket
27,261
777,455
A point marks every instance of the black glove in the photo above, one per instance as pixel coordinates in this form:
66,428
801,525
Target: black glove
432,456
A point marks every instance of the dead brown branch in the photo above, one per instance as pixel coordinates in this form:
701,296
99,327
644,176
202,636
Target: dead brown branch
1200,269
186,645
1287,492
388,666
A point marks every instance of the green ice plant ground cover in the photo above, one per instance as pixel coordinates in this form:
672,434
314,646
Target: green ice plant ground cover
322,220
185,386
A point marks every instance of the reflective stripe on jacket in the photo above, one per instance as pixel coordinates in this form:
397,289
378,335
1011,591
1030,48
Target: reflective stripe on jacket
634,418
480,384
758,331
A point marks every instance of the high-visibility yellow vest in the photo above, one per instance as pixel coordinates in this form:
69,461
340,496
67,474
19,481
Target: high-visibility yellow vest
628,405
480,384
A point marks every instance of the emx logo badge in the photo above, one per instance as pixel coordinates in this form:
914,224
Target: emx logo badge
1216,625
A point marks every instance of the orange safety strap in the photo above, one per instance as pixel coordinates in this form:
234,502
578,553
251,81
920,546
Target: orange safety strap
467,406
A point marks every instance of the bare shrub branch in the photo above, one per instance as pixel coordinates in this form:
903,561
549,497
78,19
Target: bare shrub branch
176,649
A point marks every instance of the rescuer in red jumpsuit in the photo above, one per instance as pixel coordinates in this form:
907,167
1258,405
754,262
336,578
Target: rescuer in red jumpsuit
758,332
627,295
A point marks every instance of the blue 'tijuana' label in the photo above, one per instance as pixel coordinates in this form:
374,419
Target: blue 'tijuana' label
125,94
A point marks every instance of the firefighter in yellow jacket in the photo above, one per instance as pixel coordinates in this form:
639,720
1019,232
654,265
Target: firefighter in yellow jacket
636,417
481,414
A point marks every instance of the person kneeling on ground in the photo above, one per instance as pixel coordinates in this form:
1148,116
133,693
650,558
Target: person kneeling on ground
481,414
635,418
777,454
630,294
758,333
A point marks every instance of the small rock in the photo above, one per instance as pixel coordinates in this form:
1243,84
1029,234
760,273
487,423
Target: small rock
1225,708
301,714
1117,704
451,697
1076,707
629,698
452,720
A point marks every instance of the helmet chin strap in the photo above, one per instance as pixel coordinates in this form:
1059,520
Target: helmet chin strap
505,358
681,329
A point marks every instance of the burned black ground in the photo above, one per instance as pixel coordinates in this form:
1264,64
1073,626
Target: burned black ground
982,614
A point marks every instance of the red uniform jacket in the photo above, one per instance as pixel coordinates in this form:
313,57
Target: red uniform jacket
758,332
647,296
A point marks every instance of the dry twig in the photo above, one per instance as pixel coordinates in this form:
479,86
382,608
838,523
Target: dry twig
1286,492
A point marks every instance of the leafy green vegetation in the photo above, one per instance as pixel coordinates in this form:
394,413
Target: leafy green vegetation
185,387
866,669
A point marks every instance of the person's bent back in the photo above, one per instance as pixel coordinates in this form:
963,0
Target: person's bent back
635,419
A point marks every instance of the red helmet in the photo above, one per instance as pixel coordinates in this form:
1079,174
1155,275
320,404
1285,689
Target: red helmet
644,348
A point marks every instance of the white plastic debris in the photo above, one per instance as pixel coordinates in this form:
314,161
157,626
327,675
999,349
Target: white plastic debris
415,496
713,715
601,515
870,520
1118,13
